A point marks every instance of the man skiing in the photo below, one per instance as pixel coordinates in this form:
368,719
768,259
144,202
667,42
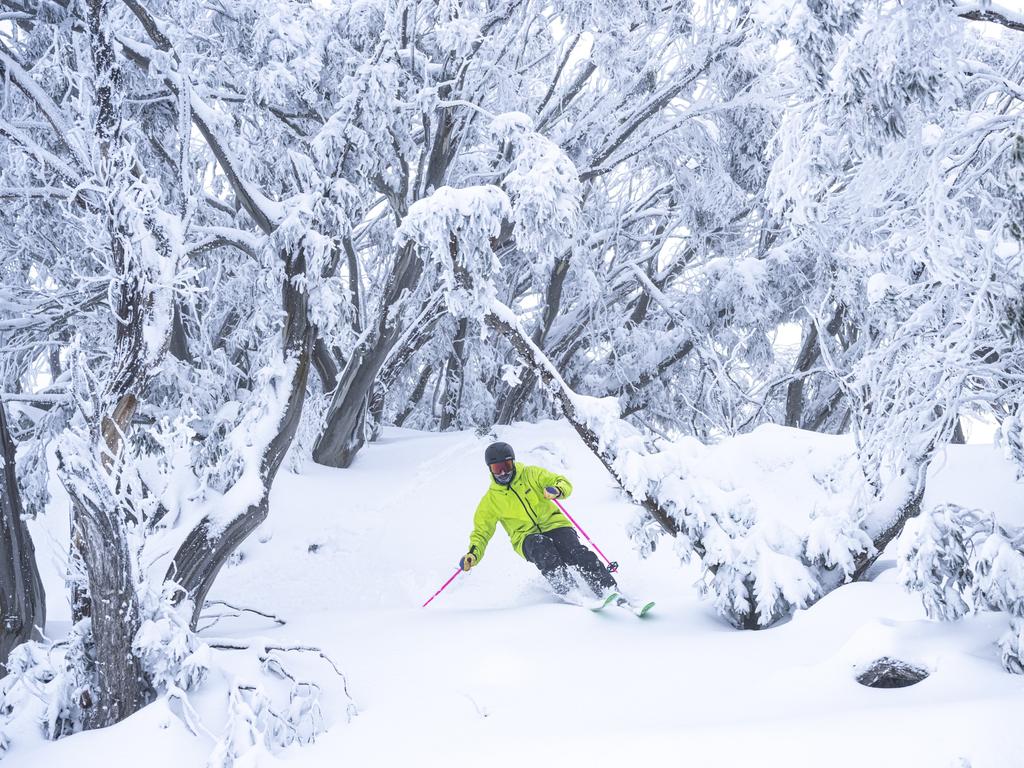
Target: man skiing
519,497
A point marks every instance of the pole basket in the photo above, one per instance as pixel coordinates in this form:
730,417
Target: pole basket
613,567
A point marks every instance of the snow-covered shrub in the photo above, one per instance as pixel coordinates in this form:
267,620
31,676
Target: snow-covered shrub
1010,438
53,680
763,555
1012,646
254,728
173,656
963,561
270,710
934,557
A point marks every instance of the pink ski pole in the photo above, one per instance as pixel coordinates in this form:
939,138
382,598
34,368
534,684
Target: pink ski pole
612,567
442,588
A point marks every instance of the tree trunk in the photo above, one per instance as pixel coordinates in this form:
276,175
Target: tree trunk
454,378
22,601
345,424
959,437
795,390
514,399
326,369
121,687
98,517
344,430
208,546
179,340
910,508
416,396
411,343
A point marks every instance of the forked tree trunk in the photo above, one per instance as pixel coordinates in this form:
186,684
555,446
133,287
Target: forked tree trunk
417,394
344,432
22,601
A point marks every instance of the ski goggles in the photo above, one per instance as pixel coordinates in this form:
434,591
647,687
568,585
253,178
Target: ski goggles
502,467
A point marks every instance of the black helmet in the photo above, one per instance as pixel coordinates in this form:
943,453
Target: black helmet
500,459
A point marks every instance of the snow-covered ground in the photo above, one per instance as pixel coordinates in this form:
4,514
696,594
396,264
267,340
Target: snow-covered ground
495,672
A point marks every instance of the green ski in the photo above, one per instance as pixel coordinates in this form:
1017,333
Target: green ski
606,601
638,611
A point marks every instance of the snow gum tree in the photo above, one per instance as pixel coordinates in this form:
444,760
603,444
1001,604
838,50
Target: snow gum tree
900,286
180,369
654,116
468,213
899,175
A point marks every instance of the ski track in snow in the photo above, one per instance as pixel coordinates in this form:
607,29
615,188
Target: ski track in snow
497,672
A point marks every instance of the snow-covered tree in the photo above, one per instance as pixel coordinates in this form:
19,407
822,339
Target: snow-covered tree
964,561
466,213
112,190
639,136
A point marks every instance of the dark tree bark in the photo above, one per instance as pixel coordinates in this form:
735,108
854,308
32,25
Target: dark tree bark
795,390
325,366
454,377
993,16
22,601
958,438
344,430
810,353
831,417
515,398
910,508
120,687
402,353
179,340
416,396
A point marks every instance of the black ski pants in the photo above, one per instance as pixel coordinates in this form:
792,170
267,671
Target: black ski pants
555,551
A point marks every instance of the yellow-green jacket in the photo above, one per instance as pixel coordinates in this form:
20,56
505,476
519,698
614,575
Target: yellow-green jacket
520,507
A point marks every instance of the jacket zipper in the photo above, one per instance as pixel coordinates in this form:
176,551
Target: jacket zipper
526,509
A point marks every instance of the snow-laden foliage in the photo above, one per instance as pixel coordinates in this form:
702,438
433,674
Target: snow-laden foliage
760,561
455,228
173,656
963,561
1012,646
451,215
544,188
255,727
51,681
270,706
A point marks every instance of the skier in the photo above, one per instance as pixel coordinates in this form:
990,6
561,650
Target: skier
519,497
